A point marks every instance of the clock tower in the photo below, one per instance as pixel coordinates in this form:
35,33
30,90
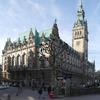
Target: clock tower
80,33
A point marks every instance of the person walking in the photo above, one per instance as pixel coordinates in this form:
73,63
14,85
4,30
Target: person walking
44,93
17,93
40,92
19,88
9,97
49,90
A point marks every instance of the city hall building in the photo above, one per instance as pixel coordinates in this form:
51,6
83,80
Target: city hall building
43,57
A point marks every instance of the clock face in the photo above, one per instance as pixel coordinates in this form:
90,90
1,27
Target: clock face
78,43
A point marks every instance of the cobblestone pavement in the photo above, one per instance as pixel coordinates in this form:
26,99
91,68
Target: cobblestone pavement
28,94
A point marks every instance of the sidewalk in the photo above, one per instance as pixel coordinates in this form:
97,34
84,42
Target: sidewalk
26,94
88,97
29,94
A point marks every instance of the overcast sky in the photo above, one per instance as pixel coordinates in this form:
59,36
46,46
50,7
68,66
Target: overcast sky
17,16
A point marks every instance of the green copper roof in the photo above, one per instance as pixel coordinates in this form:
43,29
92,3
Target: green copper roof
35,33
37,38
25,34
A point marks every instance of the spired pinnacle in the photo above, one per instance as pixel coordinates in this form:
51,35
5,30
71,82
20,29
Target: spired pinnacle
55,29
31,32
80,12
81,3
35,30
31,29
55,24
55,21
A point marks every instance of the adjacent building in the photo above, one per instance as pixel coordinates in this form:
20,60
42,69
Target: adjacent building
0,72
42,57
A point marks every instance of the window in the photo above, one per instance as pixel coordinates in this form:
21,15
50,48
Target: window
24,59
13,61
80,32
18,60
9,61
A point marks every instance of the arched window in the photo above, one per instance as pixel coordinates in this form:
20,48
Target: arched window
75,33
80,32
30,58
9,61
18,60
13,61
5,67
24,59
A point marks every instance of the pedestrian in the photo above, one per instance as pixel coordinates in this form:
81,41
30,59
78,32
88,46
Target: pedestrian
51,94
40,92
18,88
44,92
9,97
49,90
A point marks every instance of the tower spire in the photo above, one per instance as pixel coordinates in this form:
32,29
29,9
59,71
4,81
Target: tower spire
80,12
55,30
81,3
55,21
80,32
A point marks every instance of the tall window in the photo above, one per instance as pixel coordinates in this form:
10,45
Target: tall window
18,60
9,61
24,59
13,61
31,58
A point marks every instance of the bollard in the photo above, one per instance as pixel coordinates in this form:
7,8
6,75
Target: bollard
9,97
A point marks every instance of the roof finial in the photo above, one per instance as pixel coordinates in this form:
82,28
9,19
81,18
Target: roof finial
81,3
55,21
31,29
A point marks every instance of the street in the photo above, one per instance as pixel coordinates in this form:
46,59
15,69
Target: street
28,94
